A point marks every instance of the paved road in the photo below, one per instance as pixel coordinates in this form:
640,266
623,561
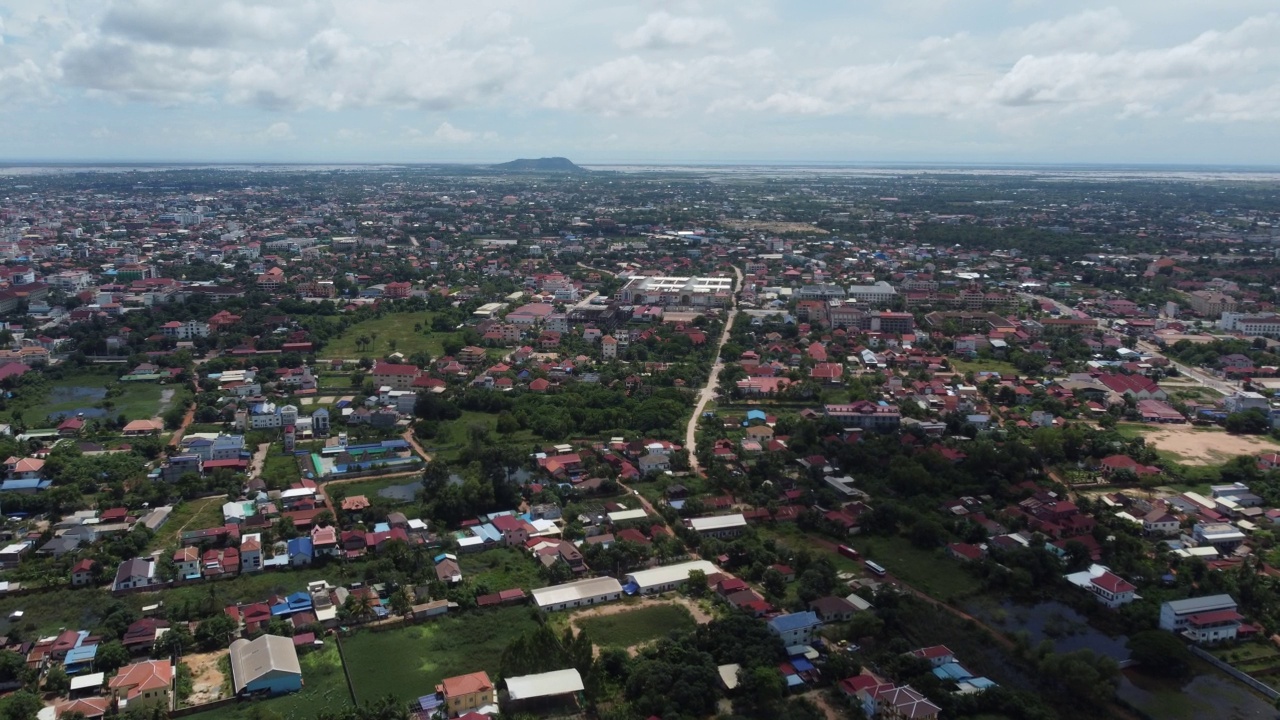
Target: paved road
713,379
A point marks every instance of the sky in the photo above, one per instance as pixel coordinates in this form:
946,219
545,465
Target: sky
702,81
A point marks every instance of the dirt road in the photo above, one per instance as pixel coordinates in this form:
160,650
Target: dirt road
713,380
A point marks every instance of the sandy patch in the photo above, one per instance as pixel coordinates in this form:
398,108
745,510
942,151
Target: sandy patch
206,678
307,401
1195,446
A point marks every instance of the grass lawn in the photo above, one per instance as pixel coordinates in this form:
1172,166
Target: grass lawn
636,626
979,365
394,328
324,690
255,587
408,662
190,515
280,470
500,569
46,612
927,570
452,436
328,381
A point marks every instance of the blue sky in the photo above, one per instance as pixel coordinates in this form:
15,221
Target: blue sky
1145,81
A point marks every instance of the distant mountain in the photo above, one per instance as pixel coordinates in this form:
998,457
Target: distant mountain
546,165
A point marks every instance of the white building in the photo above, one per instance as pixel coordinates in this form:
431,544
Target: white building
579,593
684,291
719,526
667,578
1176,614
1105,586
882,293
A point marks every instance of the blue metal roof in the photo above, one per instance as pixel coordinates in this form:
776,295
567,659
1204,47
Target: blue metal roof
794,621
801,664
952,671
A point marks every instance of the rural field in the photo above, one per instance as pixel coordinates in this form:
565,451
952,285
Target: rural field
428,653
390,333
324,690
626,626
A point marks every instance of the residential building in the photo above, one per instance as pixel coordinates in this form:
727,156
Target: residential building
143,683
465,693
397,377
796,628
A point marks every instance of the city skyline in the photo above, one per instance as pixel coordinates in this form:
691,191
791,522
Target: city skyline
652,82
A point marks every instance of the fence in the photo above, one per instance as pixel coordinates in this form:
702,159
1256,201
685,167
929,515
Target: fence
1245,678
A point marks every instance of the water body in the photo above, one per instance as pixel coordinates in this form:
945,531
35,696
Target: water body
1067,629
78,394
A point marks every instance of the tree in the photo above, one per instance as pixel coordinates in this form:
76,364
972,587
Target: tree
215,633
400,603
775,584
696,585
112,656
760,692
22,705
57,681
1160,653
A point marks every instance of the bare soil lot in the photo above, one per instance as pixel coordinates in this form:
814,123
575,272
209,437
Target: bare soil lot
1198,446
206,677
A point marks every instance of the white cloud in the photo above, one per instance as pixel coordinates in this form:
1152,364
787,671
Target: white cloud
279,131
663,30
1100,29
634,86
449,134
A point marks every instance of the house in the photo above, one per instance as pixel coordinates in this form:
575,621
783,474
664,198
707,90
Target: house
936,655
82,572
141,636
515,531
965,552
833,609
1160,522
133,574
301,551
187,562
267,665
796,628
146,682
654,462
466,692
1112,590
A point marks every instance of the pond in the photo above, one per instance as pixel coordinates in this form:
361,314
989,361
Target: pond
82,399
401,493
1067,629
1205,697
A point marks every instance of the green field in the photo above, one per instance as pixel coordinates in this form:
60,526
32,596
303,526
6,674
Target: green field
397,328
979,365
324,690
634,627
926,570
500,569
191,515
452,436
367,488
408,662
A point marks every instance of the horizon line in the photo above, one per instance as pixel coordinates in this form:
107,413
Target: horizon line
21,162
